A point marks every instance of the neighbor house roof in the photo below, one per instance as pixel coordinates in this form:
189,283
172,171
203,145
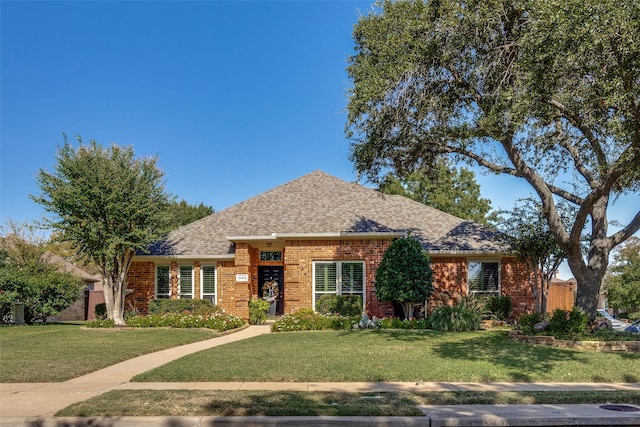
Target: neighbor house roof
68,267
318,204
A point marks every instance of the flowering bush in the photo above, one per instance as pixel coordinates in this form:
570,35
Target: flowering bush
309,320
216,321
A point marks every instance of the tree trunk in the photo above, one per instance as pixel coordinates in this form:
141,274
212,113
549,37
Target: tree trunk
408,308
544,296
114,301
114,281
118,305
589,284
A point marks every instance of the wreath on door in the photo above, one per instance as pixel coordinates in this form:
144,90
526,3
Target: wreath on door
270,290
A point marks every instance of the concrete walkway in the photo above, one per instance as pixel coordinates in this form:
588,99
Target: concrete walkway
34,404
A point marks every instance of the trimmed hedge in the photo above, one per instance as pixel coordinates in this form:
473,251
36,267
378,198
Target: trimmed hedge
196,306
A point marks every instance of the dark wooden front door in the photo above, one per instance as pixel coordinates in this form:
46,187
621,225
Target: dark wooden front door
271,274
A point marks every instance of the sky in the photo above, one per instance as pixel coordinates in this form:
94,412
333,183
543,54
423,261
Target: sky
233,97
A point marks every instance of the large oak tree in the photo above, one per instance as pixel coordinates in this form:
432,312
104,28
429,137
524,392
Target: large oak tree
108,204
544,90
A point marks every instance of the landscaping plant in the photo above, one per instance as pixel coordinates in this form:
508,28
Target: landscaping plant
500,306
464,315
527,322
404,275
343,305
258,309
567,324
196,306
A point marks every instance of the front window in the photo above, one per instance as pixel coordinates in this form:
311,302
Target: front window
338,278
163,282
484,277
186,281
208,283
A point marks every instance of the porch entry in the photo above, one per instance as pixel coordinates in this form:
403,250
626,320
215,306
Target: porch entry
269,279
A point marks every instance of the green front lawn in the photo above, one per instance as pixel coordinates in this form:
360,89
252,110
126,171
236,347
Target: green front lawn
396,355
288,403
58,352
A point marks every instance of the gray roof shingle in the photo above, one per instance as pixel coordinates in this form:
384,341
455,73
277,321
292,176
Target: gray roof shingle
321,203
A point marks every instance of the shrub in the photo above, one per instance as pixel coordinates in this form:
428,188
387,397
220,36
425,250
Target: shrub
610,335
258,309
527,322
404,275
195,306
566,324
343,305
302,320
101,323
100,310
342,322
500,306
465,315
216,321
44,293
634,316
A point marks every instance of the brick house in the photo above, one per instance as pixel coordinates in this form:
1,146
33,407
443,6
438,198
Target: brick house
319,235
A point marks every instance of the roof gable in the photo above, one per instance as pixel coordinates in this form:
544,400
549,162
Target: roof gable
320,203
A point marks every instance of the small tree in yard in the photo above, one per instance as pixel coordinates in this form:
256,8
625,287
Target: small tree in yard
531,238
108,204
404,275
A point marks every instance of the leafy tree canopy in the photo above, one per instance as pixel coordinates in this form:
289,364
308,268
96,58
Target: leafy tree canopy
544,90
182,213
404,275
108,204
449,189
622,283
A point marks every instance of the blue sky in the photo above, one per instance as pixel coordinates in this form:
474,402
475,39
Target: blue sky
234,97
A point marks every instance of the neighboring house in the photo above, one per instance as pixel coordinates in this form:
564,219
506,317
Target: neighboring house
320,235
83,308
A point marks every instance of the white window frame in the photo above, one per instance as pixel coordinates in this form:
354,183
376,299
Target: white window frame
164,295
215,282
180,290
498,290
339,280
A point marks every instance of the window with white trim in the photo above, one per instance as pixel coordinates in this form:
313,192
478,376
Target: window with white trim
208,282
484,277
163,282
185,280
338,278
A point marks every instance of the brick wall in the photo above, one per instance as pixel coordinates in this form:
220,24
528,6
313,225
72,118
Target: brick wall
514,282
300,254
449,273
141,282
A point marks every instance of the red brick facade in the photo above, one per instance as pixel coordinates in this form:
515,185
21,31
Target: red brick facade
449,273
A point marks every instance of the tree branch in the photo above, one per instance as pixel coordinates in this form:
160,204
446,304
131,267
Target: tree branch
577,122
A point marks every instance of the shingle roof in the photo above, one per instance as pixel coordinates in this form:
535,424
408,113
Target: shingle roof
321,203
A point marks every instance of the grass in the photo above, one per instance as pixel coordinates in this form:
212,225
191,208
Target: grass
62,351
58,352
395,355
285,403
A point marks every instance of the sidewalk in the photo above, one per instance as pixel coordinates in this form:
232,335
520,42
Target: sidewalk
34,404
